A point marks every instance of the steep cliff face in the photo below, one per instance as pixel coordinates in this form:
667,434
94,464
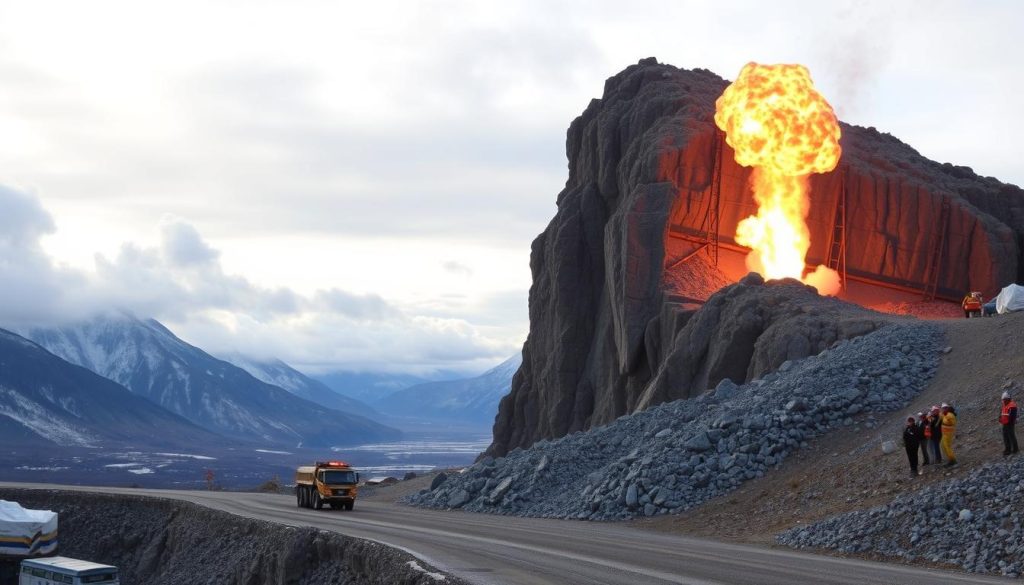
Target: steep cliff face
610,300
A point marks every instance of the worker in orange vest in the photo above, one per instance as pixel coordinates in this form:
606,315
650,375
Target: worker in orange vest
948,430
972,303
1008,418
924,435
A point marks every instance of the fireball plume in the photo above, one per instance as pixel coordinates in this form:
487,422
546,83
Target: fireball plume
776,122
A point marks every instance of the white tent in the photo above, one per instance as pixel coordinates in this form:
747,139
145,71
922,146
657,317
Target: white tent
26,533
1011,298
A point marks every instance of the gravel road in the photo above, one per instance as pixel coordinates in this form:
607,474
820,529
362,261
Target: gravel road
488,549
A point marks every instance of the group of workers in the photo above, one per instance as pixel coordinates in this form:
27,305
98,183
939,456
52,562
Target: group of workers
932,433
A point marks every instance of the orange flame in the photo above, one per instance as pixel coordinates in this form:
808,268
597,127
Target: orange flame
779,124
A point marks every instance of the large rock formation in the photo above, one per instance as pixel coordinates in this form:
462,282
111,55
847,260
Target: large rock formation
609,329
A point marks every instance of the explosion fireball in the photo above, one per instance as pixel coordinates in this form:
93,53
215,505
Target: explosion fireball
781,126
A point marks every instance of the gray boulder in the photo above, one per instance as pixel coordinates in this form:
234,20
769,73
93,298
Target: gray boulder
438,480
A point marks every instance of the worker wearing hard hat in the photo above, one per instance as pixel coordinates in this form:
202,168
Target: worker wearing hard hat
935,423
924,435
972,304
1007,419
948,430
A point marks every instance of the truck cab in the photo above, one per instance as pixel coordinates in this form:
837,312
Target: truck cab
65,570
326,482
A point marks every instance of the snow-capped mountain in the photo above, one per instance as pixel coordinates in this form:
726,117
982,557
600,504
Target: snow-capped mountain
45,400
282,375
149,360
473,400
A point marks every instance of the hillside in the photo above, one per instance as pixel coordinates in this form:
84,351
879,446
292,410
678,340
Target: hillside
472,400
846,470
45,400
152,362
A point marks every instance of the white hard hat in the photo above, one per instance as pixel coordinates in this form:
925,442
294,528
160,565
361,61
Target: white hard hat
1006,395
944,405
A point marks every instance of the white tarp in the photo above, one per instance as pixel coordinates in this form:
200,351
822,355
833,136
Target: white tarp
26,533
1010,298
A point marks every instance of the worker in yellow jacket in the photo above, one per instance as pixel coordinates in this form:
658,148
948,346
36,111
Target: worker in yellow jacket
948,419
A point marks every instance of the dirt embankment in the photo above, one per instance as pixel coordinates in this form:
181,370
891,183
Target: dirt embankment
846,470
166,542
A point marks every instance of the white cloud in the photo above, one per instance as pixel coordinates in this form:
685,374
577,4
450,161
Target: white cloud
351,159
456,267
183,246
181,282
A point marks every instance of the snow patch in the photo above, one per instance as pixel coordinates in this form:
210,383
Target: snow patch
141,471
435,576
40,421
187,456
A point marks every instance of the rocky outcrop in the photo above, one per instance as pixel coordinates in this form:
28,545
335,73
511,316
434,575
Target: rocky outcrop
167,542
607,318
678,455
746,331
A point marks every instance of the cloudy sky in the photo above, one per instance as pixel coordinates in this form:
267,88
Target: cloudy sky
355,185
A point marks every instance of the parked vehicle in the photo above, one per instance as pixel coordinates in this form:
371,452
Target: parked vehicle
326,482
64,570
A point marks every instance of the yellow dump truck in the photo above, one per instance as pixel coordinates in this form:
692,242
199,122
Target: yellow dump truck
326,482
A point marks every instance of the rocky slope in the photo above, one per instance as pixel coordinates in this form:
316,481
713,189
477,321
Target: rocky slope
45,400
973,522
845,474
164,542
677,455
605,315
152,362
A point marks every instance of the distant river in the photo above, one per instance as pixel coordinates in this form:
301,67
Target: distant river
235,467
416,453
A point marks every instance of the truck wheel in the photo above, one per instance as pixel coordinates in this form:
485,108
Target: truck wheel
318,503
305,498
349,506
298,497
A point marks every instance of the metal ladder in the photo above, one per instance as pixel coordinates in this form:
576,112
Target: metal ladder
714,206
837,245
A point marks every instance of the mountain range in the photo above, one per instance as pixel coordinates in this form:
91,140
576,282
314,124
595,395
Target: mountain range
368,387
145,357
469,400
120,379
46,400
282,375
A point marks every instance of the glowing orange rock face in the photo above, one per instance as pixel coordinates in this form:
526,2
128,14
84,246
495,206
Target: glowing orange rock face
779,124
